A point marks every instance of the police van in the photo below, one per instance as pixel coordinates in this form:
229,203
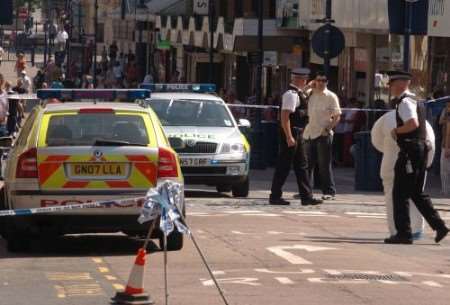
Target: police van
214,152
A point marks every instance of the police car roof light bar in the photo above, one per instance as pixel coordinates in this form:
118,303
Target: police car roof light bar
192,88
100,94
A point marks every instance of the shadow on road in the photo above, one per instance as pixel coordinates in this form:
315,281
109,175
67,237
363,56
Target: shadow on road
80,245
353,240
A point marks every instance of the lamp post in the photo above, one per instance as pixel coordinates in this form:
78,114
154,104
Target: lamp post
211,40
408,31
95,42
328,21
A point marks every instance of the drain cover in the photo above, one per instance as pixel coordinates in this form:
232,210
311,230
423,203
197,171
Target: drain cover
367,277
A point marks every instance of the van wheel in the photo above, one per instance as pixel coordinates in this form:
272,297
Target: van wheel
242,189
174,241
223,188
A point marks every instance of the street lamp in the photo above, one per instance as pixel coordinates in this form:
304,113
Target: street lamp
211,39
408,31
95,42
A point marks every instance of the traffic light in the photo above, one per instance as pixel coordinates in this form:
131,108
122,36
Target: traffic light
6,12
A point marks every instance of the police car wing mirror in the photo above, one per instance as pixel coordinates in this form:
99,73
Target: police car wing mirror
244,123
176,143
6,142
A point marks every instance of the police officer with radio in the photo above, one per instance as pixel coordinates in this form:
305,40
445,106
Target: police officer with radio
293,121
410,168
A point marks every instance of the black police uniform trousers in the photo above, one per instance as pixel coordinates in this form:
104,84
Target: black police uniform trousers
287,157
409,184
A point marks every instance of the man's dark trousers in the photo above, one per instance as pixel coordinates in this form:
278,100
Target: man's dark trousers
320,153
409,184
289,156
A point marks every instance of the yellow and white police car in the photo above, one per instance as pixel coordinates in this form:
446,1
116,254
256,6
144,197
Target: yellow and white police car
79,152
214,151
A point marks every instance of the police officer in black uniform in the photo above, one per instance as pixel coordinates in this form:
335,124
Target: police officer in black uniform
410,168
293,121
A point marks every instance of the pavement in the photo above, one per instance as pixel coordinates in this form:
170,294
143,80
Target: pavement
260,254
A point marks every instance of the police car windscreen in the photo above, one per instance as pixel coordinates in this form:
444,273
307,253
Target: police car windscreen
87,129
200,113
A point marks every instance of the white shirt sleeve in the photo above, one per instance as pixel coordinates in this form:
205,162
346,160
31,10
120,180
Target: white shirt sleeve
407,110
289,101
335,108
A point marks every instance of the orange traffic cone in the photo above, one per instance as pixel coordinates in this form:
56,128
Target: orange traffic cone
134,292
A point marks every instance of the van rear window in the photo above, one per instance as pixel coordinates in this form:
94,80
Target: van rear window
87,129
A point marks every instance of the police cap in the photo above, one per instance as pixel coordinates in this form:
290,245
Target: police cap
399,75
302,72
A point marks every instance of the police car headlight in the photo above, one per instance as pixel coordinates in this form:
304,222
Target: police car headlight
228,148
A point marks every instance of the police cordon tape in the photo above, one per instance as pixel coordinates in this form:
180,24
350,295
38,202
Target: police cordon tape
441,101
121,203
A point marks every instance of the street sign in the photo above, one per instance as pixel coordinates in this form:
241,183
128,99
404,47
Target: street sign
201,7
337,41
23,12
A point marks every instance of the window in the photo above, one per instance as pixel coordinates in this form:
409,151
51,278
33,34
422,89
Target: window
200,113
85,129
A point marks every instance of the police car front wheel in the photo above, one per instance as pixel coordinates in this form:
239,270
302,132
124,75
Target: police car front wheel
241,189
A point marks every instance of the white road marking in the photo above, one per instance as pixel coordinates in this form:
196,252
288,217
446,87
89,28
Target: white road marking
285,233
263,215
295,259
306,212
365,214
336,281
201,232
432,284
411,274
243,212
284,280
302,271
372,217
218,272
318,215
239,233
249,281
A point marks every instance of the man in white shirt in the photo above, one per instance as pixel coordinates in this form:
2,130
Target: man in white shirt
324,114
26,81
61,39
411,165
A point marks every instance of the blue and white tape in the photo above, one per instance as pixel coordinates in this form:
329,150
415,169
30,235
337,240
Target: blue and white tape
122,203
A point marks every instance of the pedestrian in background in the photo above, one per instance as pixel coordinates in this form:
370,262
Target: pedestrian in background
411,165
26,82
21,64
444,122
292,151
324,114
3,107
2,53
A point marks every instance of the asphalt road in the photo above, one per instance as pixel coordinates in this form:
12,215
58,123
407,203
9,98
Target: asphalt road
331,254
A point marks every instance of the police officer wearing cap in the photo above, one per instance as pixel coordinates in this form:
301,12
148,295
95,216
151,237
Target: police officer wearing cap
293,121
410,168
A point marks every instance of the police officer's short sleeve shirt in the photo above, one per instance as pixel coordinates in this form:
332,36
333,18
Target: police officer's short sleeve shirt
290,101
407,109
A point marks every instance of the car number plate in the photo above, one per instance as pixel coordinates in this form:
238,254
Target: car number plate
104,170
194,162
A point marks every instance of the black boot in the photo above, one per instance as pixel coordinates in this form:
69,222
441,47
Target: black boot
397,239
441,234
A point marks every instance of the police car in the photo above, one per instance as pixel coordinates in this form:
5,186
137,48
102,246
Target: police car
78,152
214,151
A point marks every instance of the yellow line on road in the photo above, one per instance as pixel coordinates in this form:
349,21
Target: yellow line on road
97,260
119,287
110,278
103,269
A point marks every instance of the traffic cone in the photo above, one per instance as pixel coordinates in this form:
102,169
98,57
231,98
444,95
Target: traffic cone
134,292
